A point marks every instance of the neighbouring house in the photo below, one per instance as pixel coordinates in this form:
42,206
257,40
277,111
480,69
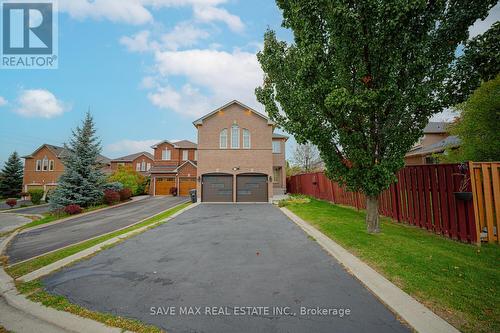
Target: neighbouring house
140,162
174,166
435,141
240,158
44,166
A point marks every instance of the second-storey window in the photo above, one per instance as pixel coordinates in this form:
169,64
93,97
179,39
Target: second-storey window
276,147
246,138
45,164
143,165
51,165
235,137
185,155
223,139
165,155
196,155
38,166
138,167
148,166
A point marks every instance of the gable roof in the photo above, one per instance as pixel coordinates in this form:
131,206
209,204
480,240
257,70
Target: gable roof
61,152
451,141
436,127
199,121
131,157
186,144
193,163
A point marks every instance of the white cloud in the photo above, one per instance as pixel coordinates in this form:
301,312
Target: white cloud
481,26
138,42
223,76
39,103
445,115
126,146
138,11
148,82
212,14
3,101
183,34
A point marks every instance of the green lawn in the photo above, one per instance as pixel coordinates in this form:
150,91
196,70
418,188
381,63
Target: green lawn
32,265
51,217
458,281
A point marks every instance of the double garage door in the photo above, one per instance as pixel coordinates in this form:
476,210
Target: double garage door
249,188
164,184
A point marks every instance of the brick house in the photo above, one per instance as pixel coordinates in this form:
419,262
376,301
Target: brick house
140,162
435,140
174,165
44,166
240,158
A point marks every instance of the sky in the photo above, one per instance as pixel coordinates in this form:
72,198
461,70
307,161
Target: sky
145,69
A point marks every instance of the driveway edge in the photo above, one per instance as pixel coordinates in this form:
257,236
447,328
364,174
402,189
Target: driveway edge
64,320
418,316
96,248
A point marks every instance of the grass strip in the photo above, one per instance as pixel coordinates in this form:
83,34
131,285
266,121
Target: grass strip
34,291
51,217
458,281
36,263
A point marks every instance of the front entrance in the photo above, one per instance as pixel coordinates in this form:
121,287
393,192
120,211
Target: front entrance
251,188
186,184
163,185
217,188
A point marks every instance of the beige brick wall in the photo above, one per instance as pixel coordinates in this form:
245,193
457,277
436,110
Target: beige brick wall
257,159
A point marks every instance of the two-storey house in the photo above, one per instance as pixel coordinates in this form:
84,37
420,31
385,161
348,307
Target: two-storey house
240,159
174,165
140,162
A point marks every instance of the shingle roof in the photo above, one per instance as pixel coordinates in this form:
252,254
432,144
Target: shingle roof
185,144
132,157
448,142
199,121
61,151
279,136
436,127
163,169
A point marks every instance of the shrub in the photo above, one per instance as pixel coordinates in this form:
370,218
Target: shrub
130,179
125,194
36,195
115,186
73,209
11,202
173,191
111,197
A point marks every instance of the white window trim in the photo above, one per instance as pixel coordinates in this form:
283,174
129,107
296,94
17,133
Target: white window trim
279,145
249,139
143,165
235,144
45,164
185,155
38,165
196,155
51,165
138,166
166,155
223,134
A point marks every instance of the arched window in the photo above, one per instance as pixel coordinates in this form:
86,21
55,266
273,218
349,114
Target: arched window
246,138
235,136
223,139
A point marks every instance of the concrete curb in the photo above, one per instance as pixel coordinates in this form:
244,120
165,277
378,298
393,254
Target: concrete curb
85,240
83,214
419,317
8,210
64,320
96,248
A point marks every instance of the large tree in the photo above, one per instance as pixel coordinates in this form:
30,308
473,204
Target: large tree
479,62
82,179
361,80
11,177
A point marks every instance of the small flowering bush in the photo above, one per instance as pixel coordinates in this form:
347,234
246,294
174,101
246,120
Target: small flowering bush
11,202
73,209
125,194
111,197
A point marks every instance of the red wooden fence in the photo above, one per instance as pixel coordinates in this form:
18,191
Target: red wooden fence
422,196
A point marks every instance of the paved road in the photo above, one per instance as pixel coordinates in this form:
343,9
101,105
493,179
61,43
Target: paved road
32,243
9,222
37,209
224,256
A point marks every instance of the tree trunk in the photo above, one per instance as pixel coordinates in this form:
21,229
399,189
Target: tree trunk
372,222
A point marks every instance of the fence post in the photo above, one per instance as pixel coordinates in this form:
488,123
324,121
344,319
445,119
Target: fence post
474,199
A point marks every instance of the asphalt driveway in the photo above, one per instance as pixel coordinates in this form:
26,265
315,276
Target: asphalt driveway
32,243
224,258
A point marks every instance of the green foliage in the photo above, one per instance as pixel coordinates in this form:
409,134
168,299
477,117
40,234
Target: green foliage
82,179
479,62
36,195
130,179
11,177
478,126
362,79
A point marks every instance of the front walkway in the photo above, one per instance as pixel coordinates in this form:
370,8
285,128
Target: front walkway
225,257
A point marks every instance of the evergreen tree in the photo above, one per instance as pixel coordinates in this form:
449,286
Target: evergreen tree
11,179
82,179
